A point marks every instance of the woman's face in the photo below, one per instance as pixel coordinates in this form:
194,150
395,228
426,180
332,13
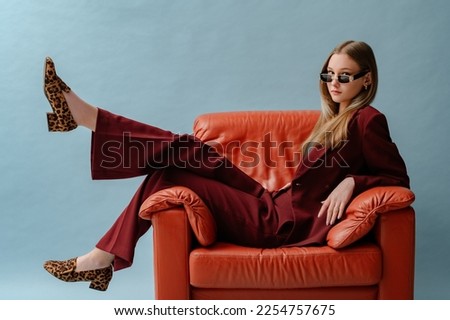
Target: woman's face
343,93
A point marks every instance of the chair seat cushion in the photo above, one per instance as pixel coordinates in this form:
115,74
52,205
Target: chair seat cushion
224,265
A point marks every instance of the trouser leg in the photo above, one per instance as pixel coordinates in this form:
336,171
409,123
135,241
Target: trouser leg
124,148
123,235
241,218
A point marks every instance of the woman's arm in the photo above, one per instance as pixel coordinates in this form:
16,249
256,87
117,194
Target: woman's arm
384,166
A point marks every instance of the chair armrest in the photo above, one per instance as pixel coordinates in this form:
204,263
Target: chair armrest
177,214
172,243
198,214
363,211
395,234
387,210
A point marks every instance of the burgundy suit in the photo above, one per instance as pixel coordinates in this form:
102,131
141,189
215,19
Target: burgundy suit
244,211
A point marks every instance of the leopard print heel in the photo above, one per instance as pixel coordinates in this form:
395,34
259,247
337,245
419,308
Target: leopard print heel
61,119
65,271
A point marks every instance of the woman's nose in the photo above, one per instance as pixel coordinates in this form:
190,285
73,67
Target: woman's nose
334,82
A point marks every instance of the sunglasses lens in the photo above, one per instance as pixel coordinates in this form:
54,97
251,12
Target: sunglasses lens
344,79
325,77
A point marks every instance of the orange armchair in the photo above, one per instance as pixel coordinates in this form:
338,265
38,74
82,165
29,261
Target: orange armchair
369,254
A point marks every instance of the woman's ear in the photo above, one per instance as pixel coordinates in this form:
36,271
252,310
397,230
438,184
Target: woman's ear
368,79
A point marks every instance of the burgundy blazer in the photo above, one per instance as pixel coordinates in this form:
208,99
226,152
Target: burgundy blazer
369,156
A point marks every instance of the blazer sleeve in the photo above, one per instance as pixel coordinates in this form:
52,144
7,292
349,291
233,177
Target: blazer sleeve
384,165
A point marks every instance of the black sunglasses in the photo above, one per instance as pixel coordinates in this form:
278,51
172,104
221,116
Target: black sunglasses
327,77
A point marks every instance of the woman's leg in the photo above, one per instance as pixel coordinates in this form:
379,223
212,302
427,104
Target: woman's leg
240,217
125,148
118,244
83,113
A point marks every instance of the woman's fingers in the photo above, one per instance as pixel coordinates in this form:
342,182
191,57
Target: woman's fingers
332,210
323,209
333,213
336,202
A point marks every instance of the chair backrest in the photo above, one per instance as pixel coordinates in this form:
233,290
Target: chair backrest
264,144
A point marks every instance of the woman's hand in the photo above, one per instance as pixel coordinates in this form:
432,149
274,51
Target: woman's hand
336,202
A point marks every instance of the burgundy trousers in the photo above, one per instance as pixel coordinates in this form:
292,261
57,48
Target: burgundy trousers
245,213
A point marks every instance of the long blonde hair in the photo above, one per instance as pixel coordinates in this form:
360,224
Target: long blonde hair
332,127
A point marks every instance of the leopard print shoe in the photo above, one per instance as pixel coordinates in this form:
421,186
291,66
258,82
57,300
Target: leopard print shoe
61,119
65,271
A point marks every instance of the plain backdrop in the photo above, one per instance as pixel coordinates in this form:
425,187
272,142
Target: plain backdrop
166,61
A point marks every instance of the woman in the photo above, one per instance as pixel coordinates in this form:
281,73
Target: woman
348,151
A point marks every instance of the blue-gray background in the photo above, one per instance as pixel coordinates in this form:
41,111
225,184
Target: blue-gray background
166,61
